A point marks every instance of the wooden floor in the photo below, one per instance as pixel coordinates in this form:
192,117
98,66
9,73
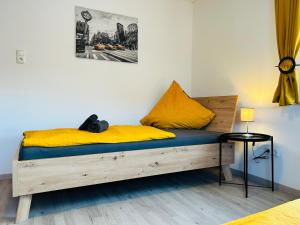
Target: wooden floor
184,198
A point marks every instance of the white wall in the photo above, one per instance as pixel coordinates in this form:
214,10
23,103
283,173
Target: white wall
234,52
56,89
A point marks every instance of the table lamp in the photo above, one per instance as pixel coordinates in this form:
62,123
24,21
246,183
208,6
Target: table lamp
247,115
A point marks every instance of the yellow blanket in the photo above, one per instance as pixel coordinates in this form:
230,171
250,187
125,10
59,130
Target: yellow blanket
285,214
72,136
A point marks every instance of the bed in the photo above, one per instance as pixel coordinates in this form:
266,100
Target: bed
40,169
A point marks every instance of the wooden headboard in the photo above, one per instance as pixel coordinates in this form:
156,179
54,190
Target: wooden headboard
225,109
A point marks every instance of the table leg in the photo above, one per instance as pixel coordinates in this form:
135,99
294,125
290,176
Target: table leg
244,161
272,159
220,163
246,174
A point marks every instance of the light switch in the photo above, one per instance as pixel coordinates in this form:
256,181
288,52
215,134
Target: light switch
20,56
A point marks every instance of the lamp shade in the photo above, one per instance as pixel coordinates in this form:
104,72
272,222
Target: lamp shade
247,114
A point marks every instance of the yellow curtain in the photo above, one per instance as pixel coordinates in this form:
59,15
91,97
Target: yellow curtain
287,13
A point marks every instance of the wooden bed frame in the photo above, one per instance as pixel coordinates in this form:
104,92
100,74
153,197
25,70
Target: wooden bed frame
43,175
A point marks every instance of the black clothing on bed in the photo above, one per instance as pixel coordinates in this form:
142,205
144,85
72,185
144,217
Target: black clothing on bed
98,126
91,119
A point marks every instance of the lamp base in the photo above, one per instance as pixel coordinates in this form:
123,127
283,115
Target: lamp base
247,134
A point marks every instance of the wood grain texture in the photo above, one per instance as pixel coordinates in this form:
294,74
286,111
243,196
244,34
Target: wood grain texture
42,175
225,109
227,172
23,208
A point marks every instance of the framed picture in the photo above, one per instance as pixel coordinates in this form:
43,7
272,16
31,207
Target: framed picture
106,36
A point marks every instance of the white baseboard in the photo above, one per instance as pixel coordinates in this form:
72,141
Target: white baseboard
263,181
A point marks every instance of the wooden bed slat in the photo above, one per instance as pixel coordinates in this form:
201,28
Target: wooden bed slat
225,109
42,175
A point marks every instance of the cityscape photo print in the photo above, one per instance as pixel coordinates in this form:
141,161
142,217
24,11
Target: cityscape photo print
106,36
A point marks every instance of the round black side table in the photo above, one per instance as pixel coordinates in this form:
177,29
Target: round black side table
246,138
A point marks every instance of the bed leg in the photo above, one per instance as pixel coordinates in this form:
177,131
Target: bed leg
23,208
227,172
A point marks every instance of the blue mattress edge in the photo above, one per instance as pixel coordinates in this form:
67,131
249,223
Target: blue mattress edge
183,138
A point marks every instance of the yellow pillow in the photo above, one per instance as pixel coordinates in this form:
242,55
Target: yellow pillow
176,109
